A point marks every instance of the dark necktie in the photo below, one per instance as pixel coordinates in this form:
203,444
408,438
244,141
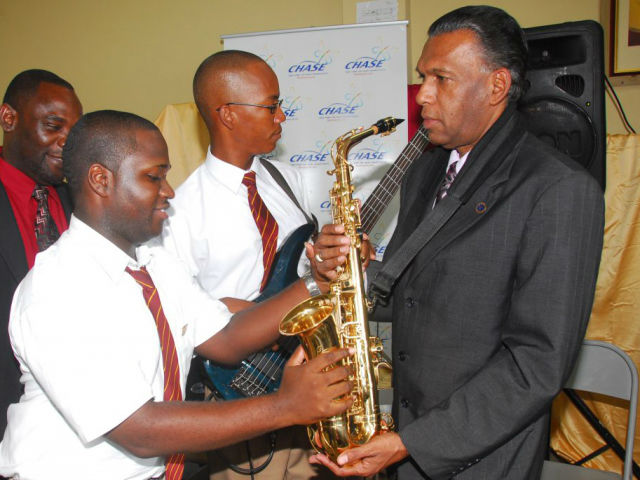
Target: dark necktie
267,225
44,226
172,391
446,183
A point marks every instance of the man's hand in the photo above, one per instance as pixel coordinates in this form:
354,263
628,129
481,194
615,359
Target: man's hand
380,452
317,389
330,250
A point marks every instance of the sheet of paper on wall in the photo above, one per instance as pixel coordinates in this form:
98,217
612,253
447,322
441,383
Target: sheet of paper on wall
377,11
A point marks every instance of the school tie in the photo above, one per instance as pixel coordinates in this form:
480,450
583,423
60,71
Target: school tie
267,225
44,226
172,391
446,183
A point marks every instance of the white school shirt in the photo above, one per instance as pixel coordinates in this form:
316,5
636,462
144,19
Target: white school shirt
212,230
90,355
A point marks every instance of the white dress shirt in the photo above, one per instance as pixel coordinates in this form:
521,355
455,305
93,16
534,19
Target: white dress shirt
212,230
90,355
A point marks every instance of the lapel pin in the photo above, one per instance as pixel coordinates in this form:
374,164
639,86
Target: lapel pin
481,207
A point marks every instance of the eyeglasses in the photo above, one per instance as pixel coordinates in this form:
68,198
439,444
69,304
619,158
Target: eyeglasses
272,108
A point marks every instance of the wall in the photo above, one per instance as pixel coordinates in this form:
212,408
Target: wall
137,55
141,55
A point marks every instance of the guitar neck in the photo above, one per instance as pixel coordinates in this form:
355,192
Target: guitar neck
379,199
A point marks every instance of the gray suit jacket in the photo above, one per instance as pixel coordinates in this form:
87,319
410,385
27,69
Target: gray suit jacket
489,316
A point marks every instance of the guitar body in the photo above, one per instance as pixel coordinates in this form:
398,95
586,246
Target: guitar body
285,265
262,371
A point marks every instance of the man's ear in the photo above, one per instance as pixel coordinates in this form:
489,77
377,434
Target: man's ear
8,117
500,85
100,179
226,116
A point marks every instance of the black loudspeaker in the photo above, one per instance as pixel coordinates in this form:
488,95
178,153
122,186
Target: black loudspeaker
564,100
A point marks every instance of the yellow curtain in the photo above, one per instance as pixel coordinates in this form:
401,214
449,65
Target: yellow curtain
616,311
187,139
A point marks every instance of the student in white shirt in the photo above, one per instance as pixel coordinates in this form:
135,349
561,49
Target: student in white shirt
87,342
210,224
211,227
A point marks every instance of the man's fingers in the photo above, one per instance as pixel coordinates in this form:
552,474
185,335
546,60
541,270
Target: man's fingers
340,392
329,358
330,253
309,251
346,471
333,228
297,357
331,235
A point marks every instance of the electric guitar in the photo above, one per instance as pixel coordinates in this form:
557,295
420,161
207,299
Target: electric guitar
261,372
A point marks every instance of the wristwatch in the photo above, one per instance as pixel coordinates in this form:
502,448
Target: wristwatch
311,284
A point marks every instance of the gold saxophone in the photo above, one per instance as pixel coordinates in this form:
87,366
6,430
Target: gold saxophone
338,319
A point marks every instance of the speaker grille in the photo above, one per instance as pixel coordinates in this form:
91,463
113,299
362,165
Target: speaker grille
572,84
564,101
562,125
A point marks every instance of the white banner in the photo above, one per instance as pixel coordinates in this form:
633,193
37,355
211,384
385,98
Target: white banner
332,80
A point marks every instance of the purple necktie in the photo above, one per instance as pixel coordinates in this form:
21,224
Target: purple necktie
448,180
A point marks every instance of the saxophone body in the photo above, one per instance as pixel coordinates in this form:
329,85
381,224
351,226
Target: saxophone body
339,319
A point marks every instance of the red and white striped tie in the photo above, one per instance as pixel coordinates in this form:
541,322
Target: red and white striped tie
267,225
172,390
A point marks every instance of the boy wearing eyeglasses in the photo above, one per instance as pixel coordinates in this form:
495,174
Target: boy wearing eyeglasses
232,214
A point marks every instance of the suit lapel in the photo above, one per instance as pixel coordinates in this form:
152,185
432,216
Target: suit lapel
475,191
422,194
11,248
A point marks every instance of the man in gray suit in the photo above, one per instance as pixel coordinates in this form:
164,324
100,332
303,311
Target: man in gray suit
489,315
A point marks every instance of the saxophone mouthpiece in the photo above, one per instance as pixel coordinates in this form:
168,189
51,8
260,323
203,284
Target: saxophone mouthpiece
388,124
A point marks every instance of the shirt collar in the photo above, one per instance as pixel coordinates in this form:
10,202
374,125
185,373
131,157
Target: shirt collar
16,180
455,157
105,253
226,174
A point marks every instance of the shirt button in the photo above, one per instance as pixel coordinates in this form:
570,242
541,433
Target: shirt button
404,403
402,356
410,302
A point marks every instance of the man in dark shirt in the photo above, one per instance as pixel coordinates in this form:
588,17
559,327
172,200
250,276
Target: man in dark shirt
38,110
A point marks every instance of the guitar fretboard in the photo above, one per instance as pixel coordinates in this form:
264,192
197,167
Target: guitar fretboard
377,202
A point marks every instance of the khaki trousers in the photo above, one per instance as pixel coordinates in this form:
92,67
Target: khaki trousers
290,458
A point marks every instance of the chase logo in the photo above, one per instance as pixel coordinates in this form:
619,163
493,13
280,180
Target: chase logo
369,63
348,108
315,66
368,155
312,156
291,106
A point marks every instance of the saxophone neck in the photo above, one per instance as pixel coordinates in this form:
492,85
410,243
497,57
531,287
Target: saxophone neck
344,143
